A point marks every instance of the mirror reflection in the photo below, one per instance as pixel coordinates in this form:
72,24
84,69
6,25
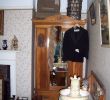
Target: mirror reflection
58,69
58,44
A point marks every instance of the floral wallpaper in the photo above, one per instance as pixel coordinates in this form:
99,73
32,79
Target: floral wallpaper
19,23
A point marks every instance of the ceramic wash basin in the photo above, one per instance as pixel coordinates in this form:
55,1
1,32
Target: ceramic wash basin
64,95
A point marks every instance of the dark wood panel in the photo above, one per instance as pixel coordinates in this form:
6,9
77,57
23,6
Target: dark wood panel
41,59
49,95
1,22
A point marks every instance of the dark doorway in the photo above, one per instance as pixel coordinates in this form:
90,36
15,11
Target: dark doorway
5,73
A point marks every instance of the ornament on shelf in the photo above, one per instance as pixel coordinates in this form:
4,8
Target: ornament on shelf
4,45
14,43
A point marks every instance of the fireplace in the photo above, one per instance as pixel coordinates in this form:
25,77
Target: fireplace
5,73
8,57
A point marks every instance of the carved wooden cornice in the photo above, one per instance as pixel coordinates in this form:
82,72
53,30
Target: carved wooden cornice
59,20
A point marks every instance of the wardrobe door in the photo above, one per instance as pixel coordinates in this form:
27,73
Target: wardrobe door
41,67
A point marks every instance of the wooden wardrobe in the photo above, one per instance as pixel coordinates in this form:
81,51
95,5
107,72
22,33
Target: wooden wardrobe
43,88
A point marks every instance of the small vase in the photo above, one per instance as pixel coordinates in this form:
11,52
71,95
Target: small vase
4,45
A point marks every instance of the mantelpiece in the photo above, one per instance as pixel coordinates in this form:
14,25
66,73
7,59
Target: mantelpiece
8,57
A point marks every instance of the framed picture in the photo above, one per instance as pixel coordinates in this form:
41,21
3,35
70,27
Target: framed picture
1,22
92,14
105,32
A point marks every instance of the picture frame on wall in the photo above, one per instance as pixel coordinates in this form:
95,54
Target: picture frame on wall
92,14
1,22
104,15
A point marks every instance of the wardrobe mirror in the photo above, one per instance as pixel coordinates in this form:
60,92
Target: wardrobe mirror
58,69
55,44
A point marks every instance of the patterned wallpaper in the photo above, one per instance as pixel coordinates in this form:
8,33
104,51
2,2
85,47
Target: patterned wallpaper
18,22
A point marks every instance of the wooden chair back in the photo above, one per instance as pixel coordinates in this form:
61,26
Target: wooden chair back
96,88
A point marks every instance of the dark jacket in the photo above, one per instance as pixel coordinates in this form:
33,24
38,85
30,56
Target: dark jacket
75,40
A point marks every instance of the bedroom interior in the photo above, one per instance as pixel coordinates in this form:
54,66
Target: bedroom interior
42,64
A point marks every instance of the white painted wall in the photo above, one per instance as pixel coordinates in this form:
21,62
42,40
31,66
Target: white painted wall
99,57
84,6
63,6
16,4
